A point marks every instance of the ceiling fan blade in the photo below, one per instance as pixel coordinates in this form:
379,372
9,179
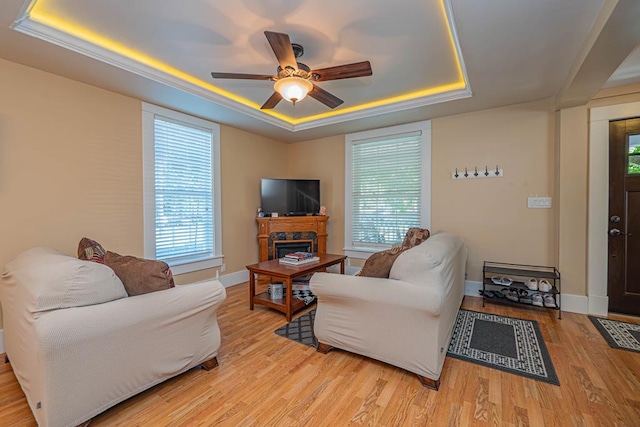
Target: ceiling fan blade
347,71
241,76
281,45
325,97
272,101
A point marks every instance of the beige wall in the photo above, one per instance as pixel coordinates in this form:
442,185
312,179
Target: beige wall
572,200
323,159
71,166
490,214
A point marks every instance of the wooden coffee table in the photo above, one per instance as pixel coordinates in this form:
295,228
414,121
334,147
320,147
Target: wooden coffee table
288,305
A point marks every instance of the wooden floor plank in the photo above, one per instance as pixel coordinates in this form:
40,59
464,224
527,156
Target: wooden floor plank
264,380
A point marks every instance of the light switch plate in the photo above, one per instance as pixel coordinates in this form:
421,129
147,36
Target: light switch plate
539,202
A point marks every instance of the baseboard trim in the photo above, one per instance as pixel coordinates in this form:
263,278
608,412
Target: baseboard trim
1,341
570,303
472,288
347,270
598,305
235,278
574,303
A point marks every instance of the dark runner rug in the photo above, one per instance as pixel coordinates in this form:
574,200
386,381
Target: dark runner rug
300,329
622,335
505,343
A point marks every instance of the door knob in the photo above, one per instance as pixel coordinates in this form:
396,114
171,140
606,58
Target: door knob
615,232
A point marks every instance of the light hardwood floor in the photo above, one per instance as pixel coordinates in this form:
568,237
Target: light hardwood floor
266,380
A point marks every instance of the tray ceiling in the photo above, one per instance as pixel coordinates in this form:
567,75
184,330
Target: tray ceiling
429,57
180,43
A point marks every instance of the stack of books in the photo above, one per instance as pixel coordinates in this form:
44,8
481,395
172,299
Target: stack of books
301,283
298,258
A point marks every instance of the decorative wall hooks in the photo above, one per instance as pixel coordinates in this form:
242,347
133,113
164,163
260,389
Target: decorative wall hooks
476,172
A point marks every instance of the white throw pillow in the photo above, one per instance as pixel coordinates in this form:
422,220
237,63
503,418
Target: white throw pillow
412,265
53,280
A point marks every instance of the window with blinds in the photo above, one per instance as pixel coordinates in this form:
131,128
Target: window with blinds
182,208
183,190
387,186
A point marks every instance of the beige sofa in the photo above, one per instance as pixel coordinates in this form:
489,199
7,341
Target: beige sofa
406,320
78,345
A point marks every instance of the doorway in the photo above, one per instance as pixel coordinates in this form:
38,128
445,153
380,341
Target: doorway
624,217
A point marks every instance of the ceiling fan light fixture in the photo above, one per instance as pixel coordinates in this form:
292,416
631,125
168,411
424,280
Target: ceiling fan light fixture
293,88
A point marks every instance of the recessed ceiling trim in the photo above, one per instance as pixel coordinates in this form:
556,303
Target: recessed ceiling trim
33,28
624,73
78,39
455,41
632,71
388,108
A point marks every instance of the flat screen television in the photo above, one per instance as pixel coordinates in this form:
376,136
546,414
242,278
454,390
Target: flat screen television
290,197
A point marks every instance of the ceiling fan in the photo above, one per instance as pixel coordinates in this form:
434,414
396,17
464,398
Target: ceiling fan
294,79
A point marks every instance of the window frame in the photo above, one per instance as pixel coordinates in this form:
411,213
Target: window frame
196,263
363,252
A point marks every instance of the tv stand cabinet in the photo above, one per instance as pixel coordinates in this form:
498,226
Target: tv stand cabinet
291,224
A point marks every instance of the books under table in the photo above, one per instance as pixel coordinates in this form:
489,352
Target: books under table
301,292
303,279
290,261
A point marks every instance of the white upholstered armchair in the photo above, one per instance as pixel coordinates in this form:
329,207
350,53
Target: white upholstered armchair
405,320
79,345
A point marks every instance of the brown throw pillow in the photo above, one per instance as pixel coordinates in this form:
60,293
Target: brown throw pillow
379,264
90,250
140,276
415,236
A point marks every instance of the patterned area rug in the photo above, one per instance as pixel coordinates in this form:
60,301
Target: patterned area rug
623,335
505,343
300,329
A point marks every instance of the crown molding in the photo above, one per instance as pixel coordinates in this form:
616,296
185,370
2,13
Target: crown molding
624,73
28,26
384,109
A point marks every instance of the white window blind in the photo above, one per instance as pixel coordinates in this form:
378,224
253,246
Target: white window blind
387,186
387,189
184,190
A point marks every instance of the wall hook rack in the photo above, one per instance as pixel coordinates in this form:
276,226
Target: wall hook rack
475,172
